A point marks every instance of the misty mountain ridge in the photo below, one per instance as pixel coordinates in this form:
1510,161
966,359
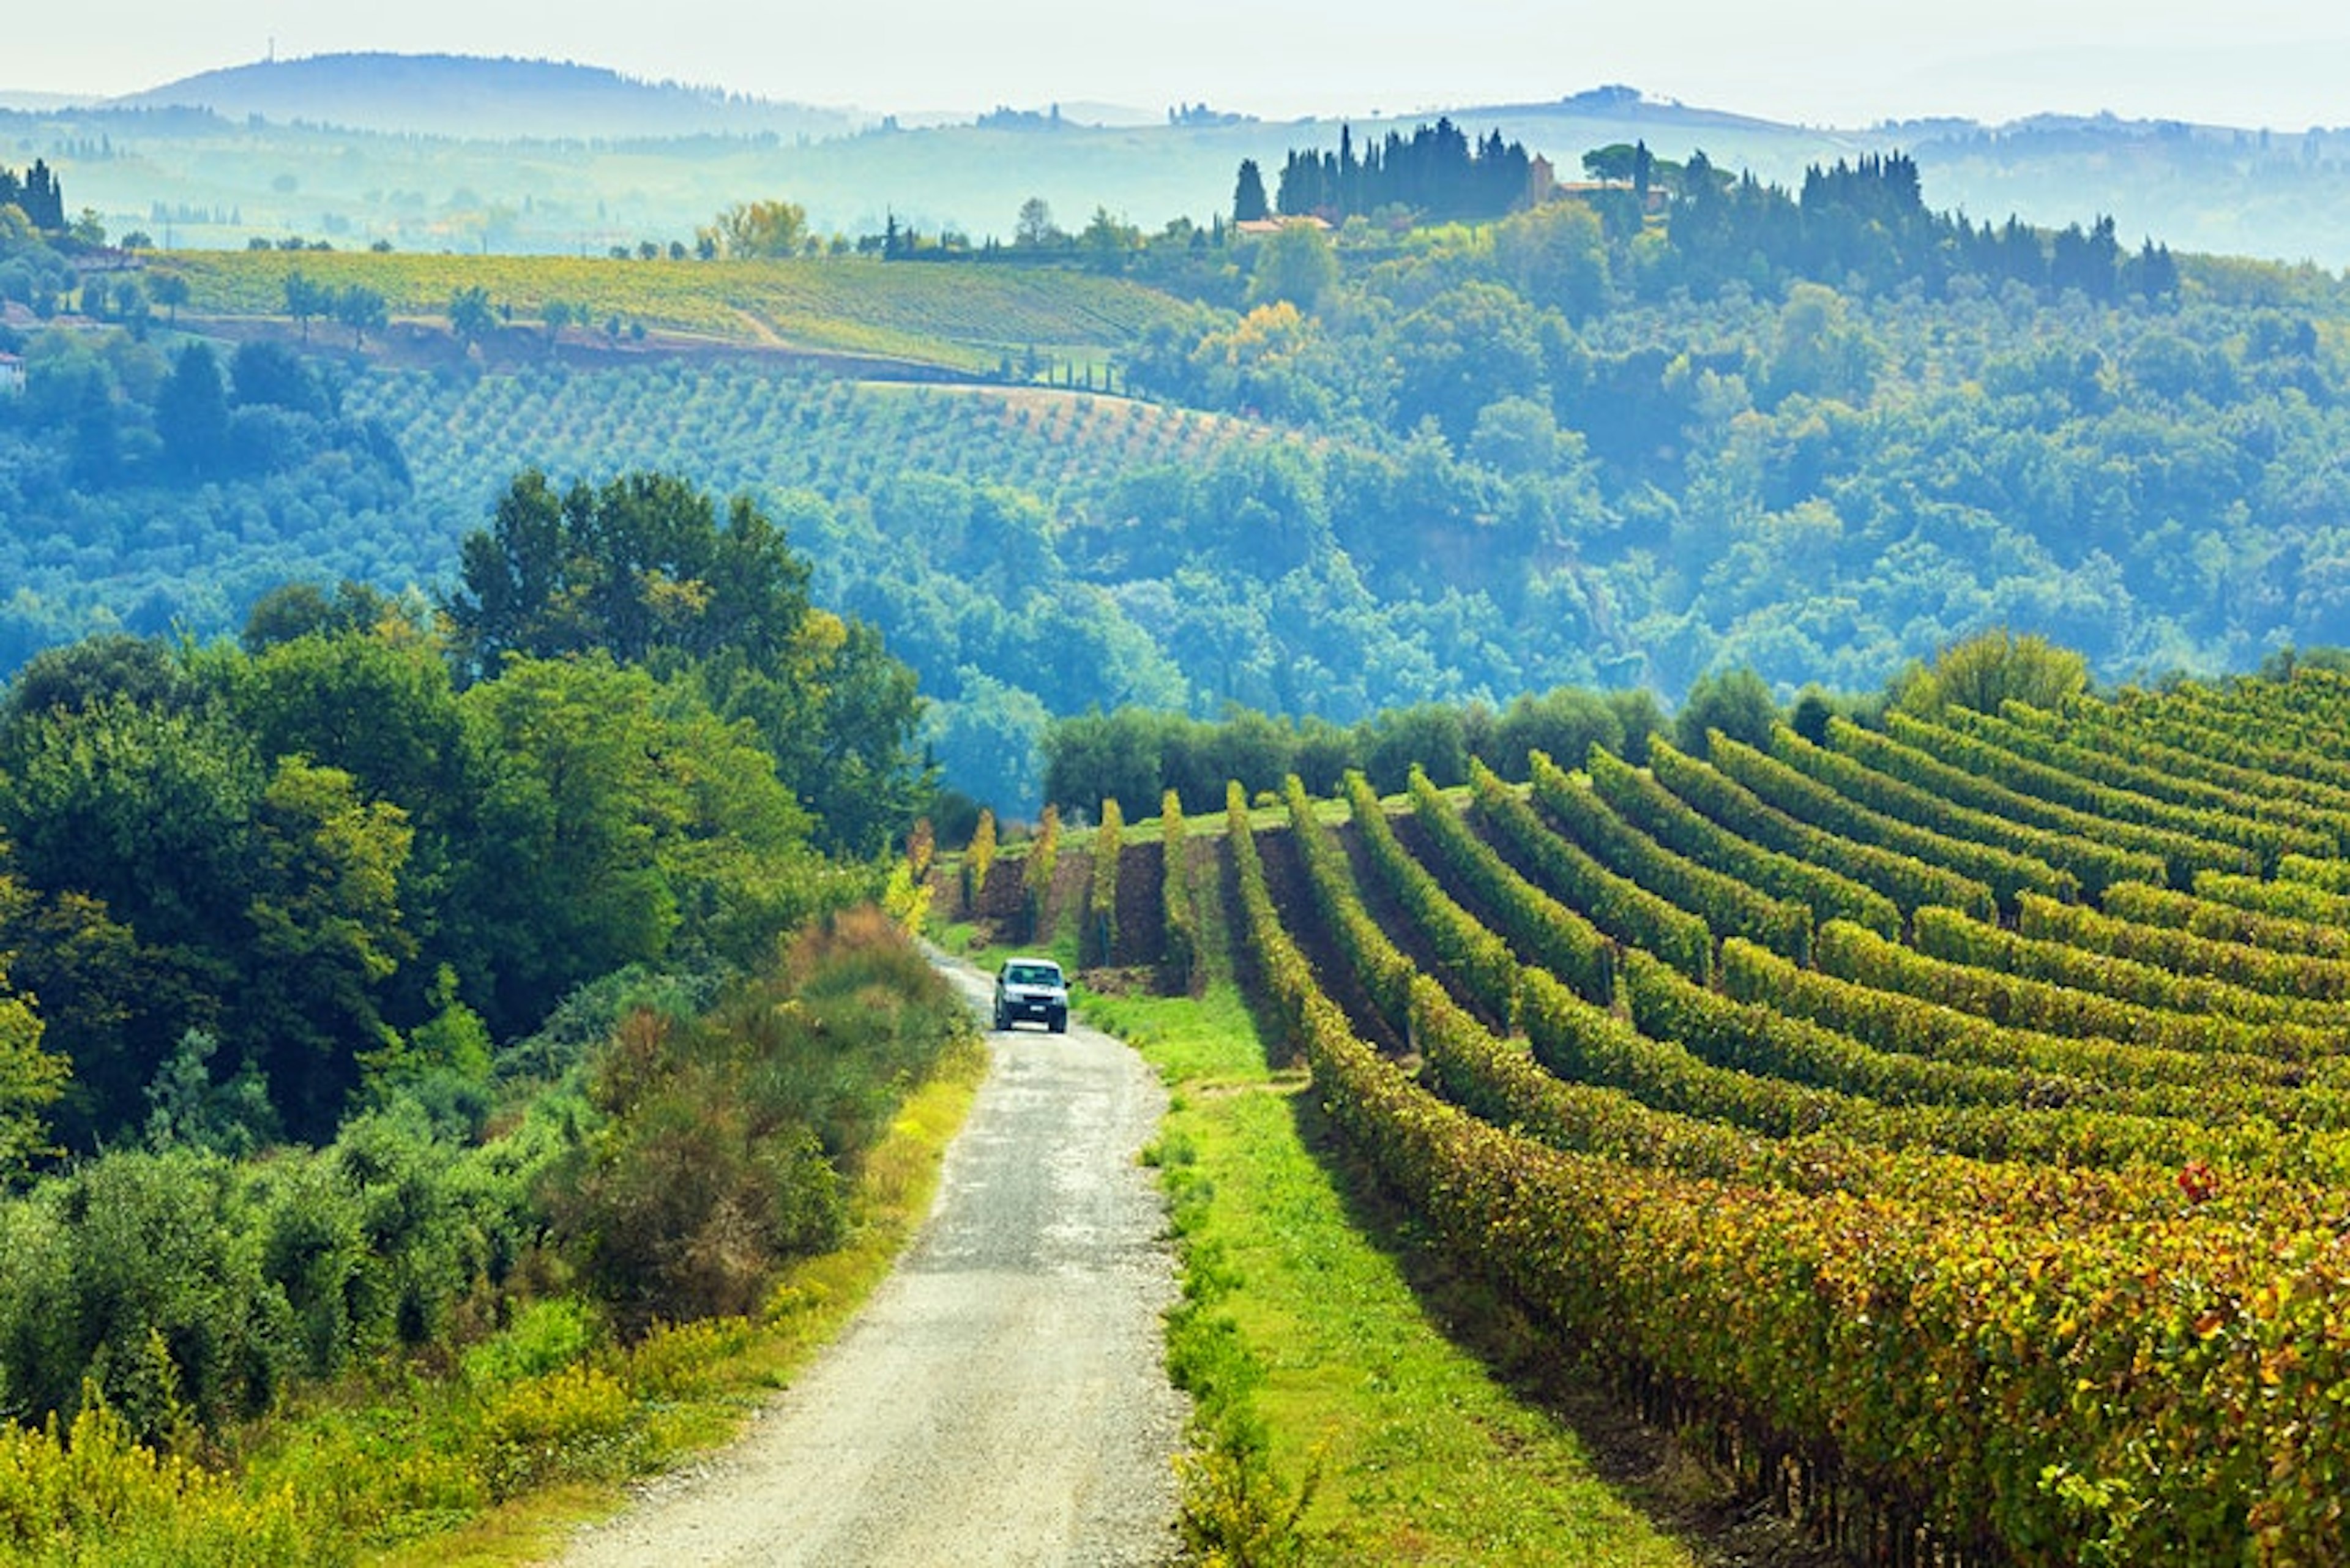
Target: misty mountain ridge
484,98
471,97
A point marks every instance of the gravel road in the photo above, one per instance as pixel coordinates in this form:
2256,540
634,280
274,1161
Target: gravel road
1002,1398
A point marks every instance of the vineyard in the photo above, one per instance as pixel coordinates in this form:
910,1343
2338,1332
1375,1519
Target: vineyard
742,426
966,317
1946,1124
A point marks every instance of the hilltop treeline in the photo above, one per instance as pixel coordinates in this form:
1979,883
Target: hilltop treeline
1437,172
36,194
1864,220
1867,221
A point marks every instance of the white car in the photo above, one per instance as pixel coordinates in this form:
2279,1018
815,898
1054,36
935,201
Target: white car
1032,988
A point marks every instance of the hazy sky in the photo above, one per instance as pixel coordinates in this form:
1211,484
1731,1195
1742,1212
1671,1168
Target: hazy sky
2284,64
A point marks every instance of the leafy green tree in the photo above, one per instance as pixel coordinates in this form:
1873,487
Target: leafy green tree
267,373
306,298
1428,735
366,694
302,608
1470,347
640,564
1991,669
470,319
109,1006
1556,257
1614,162
1109,242
1033,229
837,712
172,291
1820,350
768,230
133,823
79,676
143,807
1738,702
362,309
623,814
1096,756
326,934
1295,263
1565,723
643,569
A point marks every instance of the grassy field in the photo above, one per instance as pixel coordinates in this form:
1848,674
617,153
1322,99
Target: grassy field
963,315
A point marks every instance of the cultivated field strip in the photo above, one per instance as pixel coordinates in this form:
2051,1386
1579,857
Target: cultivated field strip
1947,1122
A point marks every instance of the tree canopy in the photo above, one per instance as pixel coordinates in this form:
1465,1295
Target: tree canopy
645,570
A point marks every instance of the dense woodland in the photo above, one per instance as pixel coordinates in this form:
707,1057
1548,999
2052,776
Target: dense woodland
401,971
356,850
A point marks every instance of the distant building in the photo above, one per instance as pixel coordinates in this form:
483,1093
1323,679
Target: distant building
1656,200
1542,181
12,374
1255,227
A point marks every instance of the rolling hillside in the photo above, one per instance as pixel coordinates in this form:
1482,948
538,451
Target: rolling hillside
1969,1212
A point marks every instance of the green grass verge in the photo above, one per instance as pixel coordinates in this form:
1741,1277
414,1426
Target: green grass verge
1310,1337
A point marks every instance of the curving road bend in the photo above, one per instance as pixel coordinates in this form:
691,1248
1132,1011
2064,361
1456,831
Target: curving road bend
1002,1398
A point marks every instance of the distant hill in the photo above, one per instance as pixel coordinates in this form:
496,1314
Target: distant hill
437,152
474,98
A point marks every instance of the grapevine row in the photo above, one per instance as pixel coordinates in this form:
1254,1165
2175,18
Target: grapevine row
1831,1335
1903,878
1614,845
1873,772
1672,822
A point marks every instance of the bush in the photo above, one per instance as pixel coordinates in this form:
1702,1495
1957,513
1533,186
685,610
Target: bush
1738,702
730,1137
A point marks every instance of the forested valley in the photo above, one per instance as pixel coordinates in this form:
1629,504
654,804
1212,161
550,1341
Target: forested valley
1621,441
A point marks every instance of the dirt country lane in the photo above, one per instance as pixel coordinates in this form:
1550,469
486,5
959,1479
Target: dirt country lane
1002,1398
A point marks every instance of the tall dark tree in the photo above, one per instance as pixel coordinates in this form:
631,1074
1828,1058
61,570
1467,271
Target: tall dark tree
36,194
192,416
1248,194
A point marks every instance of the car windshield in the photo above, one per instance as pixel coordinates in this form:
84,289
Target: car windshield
1031,974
